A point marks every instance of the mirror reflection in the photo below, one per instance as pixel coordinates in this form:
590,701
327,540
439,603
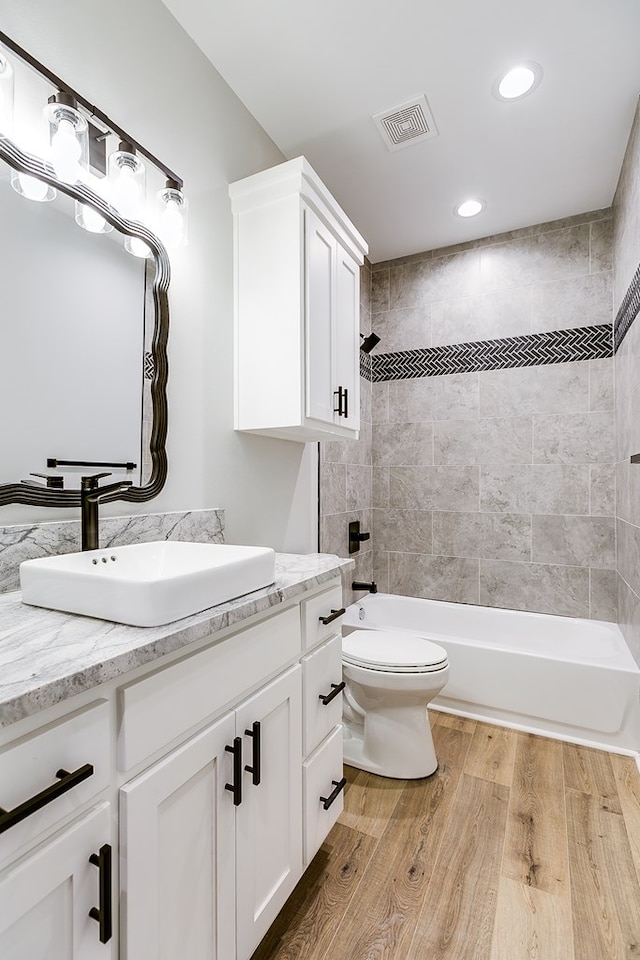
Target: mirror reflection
73,341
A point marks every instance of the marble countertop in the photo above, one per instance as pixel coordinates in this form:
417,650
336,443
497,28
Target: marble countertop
47,656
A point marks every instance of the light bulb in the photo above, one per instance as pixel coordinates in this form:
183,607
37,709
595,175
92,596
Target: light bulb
126,193
66,152
137,247
32,188
519,81
91,220
172,225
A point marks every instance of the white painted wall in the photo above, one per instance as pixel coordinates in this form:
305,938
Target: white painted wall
134,62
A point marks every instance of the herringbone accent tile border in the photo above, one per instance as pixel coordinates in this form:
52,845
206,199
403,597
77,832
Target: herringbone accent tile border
629,309
557,346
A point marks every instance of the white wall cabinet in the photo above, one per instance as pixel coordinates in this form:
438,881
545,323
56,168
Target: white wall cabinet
215,767
297,261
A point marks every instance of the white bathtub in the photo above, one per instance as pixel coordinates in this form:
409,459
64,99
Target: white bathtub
556,676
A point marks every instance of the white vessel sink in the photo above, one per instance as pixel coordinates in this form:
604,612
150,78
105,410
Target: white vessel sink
146,584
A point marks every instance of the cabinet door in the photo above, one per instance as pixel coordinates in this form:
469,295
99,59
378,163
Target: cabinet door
320,258
346,338
269,820
177,854
46,899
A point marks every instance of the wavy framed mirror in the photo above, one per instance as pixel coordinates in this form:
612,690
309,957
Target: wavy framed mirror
85,330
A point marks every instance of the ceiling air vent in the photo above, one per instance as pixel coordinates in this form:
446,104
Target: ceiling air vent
407,124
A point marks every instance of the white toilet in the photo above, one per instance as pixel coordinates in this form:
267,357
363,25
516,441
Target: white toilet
390,677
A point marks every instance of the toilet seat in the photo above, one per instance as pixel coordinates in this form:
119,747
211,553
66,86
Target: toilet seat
392,652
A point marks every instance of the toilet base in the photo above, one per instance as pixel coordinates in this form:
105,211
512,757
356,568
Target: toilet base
400,765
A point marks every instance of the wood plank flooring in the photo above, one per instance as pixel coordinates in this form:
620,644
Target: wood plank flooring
517,848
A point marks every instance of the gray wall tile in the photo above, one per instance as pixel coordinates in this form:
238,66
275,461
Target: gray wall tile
502,313
403,531
536,587
573,438
603,595
581,301
333,488
490,535
380,486
416,284
628,540
380,402
434,488
537,259
493,440
402,443
579,541
358,486
602,497
602,245
379,291
436,578
528,390
434,398
406,328
629,617
601,393
381,570
539,488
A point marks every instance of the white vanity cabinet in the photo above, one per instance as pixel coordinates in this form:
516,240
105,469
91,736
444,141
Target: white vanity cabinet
214,777
297,260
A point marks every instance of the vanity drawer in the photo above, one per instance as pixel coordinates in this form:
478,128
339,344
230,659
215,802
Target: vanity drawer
321,777
313,630
166,705
29,766
320,670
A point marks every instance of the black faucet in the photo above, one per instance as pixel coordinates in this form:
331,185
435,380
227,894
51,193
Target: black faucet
90,496
371,587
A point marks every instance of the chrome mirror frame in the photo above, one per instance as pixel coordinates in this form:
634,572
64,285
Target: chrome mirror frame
21,492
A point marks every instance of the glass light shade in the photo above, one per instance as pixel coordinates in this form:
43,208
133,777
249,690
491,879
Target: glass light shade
137,247
172,223
6,97
32,188
69,141
90,220
127,184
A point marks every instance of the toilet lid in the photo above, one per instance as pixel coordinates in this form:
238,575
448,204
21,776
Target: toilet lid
392,651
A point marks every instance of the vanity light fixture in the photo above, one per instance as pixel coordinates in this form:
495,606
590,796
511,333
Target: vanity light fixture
172,226
68,138
470,208
6,97
519,81
78,132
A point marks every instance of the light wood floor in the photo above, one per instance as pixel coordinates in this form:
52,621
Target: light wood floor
517,848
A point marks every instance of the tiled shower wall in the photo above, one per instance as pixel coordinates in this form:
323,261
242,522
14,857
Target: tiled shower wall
345,476
497,486
626,210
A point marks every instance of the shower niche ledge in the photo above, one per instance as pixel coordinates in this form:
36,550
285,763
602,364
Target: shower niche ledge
297,260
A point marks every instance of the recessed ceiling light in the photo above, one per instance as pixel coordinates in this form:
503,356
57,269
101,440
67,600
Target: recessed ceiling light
519,81
469,208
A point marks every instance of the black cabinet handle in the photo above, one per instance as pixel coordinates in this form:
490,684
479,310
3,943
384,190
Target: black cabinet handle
339,787
342,393
9,818
103,914
254,769
236,786
334,616
336,688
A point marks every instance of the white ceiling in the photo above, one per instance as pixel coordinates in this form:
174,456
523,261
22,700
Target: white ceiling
313,72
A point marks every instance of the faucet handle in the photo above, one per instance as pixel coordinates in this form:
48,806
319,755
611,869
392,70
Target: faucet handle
91,482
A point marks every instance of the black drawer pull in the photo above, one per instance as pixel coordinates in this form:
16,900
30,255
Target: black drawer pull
103,913
336,688
334,616
339,787
9,818
254,769
236,786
